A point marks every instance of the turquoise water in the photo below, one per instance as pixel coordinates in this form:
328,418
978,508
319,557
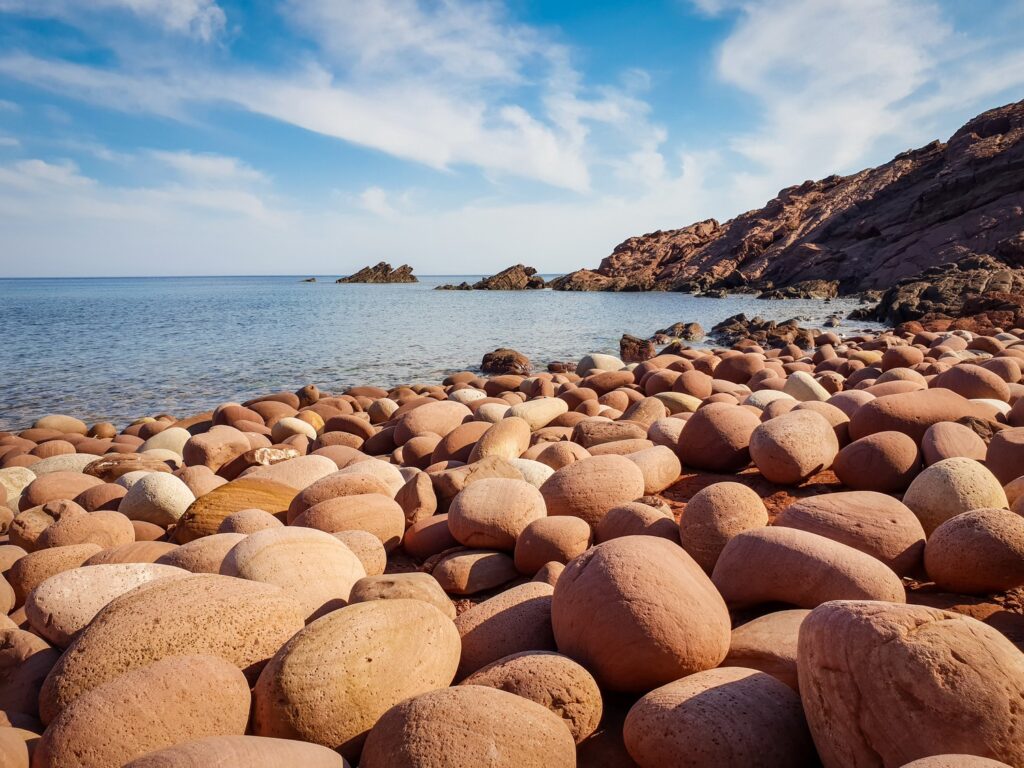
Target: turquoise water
119,348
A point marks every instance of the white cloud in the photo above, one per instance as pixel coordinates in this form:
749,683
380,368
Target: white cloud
202,19
833,80
375,200
9,106
209,167
9,141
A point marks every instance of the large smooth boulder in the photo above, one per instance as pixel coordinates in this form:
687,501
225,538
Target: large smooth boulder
244,622
491,513
206,513
468,726
977,552
590,487
714,515
25,661
316,569
717,438
769,644
785,565
205,555
403,586
172,700
553,681
886,462
1005,455
371,512
950,487
241,752
911,413
790,448
333,680
157,498
729,716
646,594
469,571
60,607
518,619
874,523
550,539
886,684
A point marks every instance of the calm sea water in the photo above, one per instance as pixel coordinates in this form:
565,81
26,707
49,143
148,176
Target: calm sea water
119,348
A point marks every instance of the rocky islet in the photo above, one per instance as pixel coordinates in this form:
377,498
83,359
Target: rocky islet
712,556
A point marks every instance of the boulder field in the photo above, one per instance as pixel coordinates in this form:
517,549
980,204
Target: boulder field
716,558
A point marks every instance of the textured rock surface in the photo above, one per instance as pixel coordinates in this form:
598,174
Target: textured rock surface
381,273
886,684
865,231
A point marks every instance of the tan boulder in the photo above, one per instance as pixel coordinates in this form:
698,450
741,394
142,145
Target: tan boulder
367,547
551,680
506,439
333,680
417,498
645,594
947,439
950,487
911,413
403,586
548,539
172,700
215,448
105,529
518,619
886,462
62,605
136,552
790,448
469,725
874,523
429,536
112,466
714,515
539,412
467,572
860,663
25,661
439,417
33,569
312,566
248,521
977,552
371,512
244,622
634,518
769,644
240,752
785,565
1005,455
205,514
493,512
589,488
717,438
720,717
53,486
660,467
205,555
157,498
955,761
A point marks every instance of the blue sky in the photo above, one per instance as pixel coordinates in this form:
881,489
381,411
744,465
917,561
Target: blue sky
315,136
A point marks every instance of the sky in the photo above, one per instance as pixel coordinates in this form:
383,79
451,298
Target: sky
190,137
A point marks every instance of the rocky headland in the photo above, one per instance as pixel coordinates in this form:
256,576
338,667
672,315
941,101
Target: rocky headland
785,541
381,273
948,215
515,278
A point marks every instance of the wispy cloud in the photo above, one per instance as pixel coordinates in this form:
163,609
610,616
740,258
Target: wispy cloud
202,19
209,167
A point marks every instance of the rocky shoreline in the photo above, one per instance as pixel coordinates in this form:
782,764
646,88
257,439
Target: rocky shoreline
786,539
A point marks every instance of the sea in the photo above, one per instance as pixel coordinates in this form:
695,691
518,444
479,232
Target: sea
116,349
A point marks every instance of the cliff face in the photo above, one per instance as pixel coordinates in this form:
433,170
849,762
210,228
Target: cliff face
926,207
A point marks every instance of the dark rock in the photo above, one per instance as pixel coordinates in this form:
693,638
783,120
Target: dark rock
866,231
805,289
633,349
515,278
767,333
684,331
558,366
381,273
943,291
309,280
503,360
463,286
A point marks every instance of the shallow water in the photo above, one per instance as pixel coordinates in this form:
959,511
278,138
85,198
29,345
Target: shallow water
114,349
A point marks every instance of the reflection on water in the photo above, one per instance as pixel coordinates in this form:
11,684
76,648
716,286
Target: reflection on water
119,348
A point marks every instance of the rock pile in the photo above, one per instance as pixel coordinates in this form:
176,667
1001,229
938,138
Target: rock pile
515,278
381,273
712,557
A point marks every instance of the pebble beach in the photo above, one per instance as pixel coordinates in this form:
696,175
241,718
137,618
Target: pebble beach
717,556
